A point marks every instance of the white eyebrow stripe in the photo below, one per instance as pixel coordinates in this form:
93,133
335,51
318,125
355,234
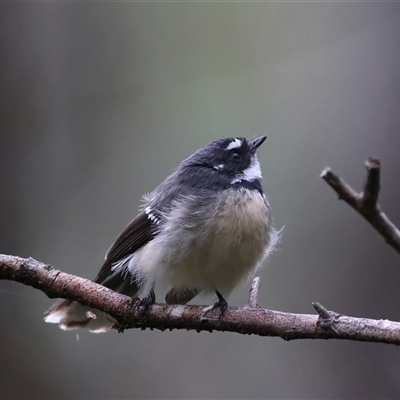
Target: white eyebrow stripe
234,144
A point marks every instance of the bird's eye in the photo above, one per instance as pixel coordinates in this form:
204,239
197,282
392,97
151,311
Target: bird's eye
236,156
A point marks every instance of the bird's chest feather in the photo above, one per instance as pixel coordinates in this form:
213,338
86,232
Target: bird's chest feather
237,241
241,226
214,245
242,214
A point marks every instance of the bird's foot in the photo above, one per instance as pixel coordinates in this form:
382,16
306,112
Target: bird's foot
147,301
221,304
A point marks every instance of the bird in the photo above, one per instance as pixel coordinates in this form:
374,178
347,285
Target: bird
205,229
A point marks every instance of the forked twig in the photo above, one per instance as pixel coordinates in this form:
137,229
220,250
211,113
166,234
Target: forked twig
366,202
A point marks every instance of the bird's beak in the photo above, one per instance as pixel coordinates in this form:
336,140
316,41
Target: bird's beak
256,143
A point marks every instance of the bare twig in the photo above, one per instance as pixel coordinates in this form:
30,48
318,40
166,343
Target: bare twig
254,291
327,319
366,202
372,185
322,311
245,320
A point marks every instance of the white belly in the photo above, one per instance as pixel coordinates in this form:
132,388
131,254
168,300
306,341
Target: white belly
211,251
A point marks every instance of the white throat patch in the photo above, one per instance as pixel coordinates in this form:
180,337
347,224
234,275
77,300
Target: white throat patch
234,144
252,173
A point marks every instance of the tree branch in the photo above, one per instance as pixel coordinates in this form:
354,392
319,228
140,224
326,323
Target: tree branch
250,319
366,202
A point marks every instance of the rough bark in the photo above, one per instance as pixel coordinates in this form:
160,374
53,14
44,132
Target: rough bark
250,319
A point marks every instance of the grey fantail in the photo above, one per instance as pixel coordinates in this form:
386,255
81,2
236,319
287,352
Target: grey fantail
206,228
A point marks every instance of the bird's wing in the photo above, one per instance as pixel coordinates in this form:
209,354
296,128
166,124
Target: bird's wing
138,232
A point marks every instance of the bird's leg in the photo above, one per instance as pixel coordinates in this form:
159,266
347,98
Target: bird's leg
222,304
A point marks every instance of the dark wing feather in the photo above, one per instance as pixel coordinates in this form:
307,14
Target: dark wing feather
139,231
181,295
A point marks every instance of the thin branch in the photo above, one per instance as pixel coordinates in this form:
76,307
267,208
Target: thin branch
254,292
244,320
366,202
369,197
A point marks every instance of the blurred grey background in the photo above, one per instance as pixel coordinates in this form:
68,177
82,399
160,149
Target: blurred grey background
101,101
